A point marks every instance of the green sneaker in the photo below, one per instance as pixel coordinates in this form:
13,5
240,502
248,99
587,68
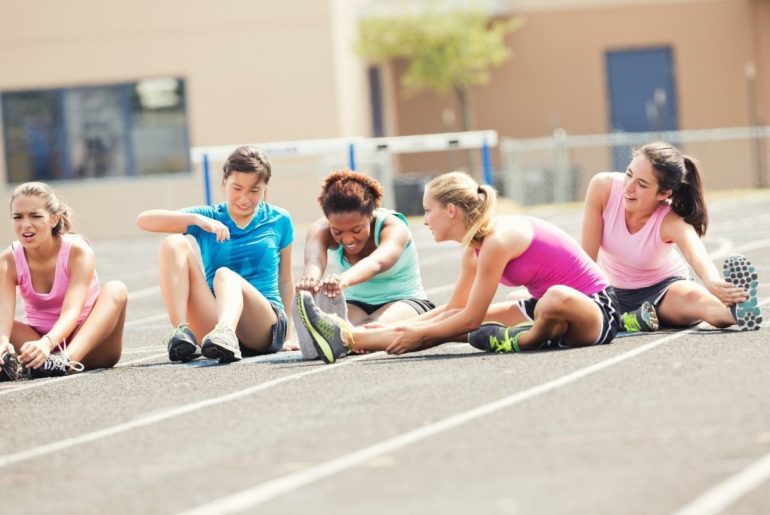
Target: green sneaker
496,337
739,271
326,329
643,319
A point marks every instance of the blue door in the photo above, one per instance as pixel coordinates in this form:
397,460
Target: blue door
642,94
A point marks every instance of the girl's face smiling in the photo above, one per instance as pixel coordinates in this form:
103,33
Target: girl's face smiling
351,230
640,187
32,223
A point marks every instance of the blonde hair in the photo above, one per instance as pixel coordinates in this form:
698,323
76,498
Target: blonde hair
52,204
477,202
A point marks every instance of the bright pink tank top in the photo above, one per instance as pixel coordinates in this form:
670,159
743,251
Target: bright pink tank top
636,260
42,310
553,258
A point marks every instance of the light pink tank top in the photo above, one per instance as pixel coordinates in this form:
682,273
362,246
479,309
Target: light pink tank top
636,260
42,310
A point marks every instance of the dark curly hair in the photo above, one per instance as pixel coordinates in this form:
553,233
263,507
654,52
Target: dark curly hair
345,191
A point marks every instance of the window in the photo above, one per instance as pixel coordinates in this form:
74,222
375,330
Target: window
113,130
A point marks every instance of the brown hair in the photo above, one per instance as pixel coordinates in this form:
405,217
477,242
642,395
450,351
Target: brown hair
247,159
679,174
345,191
477,202
52,204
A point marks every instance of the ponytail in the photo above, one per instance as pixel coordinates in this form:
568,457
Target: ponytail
480,217
687,200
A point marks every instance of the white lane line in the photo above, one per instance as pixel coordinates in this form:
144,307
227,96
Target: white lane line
67,443
53,380
144,320
726,493
265,492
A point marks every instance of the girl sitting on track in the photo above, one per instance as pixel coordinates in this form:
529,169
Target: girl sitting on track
374,250
237,303
70,323
632,224
570,305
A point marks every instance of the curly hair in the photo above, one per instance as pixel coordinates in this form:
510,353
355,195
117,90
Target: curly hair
345,191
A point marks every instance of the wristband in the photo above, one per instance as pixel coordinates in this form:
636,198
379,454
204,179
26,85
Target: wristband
53,345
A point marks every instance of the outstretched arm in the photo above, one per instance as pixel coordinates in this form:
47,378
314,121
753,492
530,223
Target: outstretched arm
317,243
675,229
394,238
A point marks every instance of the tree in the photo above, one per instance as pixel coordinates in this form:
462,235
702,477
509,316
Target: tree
447,50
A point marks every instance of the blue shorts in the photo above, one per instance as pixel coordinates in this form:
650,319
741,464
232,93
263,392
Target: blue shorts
278,332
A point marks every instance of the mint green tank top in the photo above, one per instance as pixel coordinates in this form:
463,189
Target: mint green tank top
401,281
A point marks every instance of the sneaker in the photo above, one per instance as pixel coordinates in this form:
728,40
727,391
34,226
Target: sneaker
326,329
336,305
182,344
643,319
496,337
10,370
739,271
57,364
221,343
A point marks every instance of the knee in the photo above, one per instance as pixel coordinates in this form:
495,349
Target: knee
555,302
116,291
223,275
174,243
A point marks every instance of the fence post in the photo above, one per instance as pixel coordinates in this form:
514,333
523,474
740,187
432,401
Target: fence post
514,176
562,190
352,156
206,180
486,164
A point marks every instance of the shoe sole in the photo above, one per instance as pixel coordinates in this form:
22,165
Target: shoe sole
183,351
10,369
323,347
739,271
212,350
650,318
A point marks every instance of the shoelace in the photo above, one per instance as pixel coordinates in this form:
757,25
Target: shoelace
631,323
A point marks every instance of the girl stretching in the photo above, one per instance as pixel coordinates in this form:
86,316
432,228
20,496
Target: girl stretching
570,304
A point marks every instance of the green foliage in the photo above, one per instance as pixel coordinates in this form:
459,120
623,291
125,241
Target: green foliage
446,51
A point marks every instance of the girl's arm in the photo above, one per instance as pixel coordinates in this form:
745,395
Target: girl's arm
7,300
317,243
286,283
465,318
164,220
593,224
675,229
394,238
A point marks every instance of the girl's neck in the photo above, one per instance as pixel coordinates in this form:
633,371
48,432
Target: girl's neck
45,251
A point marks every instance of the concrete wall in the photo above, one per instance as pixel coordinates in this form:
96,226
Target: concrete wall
557,77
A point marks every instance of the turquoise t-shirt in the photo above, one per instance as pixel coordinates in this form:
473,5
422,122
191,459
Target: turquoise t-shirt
253,252
401,281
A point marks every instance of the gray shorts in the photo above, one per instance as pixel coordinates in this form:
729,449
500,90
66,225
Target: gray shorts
630,299
277,331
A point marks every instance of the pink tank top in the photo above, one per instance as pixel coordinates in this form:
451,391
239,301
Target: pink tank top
42,310
636,260
553,258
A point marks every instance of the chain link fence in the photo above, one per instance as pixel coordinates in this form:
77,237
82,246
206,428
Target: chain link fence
558,168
